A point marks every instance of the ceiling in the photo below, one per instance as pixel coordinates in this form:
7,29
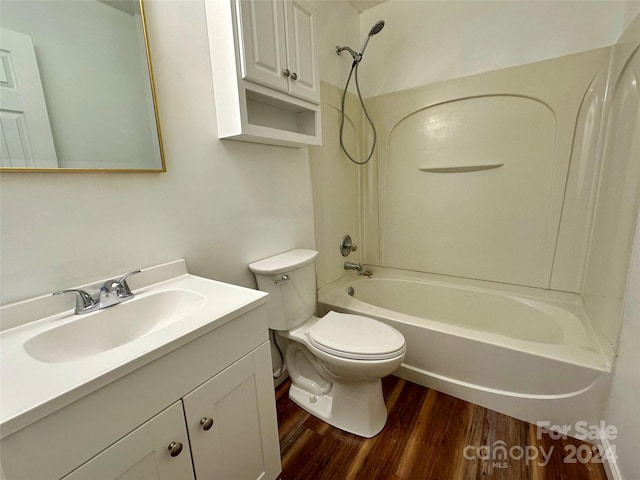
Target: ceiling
361,5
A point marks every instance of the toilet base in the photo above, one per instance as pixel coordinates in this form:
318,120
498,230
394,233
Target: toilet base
355,407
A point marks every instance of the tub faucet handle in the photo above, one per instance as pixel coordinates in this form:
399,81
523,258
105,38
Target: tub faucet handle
347,246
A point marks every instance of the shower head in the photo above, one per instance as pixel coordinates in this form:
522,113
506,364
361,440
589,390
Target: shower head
357,56
379,25
375,29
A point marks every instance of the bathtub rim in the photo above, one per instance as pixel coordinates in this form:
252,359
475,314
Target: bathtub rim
597,358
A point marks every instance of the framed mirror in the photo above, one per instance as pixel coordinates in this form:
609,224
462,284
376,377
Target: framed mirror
76,88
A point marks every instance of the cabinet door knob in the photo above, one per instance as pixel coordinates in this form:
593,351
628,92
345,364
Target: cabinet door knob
175,448
286,72
294,76
206,423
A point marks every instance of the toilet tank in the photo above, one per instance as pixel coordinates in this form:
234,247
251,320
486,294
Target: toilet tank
290,281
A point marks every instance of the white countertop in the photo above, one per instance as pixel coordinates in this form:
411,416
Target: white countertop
31,389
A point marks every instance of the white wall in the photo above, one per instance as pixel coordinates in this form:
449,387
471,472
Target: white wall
631,10
622,407
338,25
428,41
221,204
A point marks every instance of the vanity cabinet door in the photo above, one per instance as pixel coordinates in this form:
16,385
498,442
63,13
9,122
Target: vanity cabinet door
232,423
144,454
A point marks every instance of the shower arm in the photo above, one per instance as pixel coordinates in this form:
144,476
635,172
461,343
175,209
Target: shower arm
356,56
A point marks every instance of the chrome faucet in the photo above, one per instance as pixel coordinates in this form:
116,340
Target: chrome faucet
353,266
111,293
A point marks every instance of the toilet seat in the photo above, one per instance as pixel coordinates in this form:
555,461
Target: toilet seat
356,337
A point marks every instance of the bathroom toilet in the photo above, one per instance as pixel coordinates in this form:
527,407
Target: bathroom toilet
335,362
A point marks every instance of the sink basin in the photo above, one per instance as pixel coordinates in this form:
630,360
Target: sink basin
103,330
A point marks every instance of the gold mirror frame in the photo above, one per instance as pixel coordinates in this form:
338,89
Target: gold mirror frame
162,168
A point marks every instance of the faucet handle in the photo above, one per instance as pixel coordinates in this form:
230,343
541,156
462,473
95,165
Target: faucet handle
84,301
125,291
347,246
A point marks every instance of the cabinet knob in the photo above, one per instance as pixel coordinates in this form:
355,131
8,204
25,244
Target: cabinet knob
175,448
294,76
286,72
206,423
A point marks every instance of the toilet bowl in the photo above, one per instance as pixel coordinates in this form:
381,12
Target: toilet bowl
335,362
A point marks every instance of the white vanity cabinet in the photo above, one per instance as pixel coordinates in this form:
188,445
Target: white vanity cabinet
230,422
124,429
265,71
278,46
144,453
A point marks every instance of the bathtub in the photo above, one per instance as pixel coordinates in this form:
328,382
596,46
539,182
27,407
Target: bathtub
525,352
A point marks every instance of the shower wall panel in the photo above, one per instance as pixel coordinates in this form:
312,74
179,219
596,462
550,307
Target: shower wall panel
619,192
471,175
335,180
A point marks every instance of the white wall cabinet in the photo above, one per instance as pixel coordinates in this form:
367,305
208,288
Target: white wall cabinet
277,47
123,430
265,71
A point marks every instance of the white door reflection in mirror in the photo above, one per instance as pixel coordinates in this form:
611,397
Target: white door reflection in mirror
25,131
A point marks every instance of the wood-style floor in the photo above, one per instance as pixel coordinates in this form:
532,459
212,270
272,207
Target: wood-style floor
426,437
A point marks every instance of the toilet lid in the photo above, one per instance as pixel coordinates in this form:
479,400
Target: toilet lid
353,336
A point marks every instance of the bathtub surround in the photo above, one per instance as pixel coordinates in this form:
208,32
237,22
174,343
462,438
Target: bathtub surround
336,186
618,201
483,177
590,198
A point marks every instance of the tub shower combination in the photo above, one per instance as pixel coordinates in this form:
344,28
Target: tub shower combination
476,178
509,348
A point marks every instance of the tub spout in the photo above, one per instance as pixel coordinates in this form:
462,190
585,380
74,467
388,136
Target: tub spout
353,266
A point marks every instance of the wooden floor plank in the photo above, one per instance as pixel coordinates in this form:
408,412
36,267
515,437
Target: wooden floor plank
426,437
446,437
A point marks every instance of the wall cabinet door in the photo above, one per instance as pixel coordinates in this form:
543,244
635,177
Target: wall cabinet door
278,47
263,49
144,454
232,422
301,50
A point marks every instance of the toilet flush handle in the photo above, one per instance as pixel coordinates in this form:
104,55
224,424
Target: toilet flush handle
284,278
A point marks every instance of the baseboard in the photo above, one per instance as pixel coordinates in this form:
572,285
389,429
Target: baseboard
610,461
